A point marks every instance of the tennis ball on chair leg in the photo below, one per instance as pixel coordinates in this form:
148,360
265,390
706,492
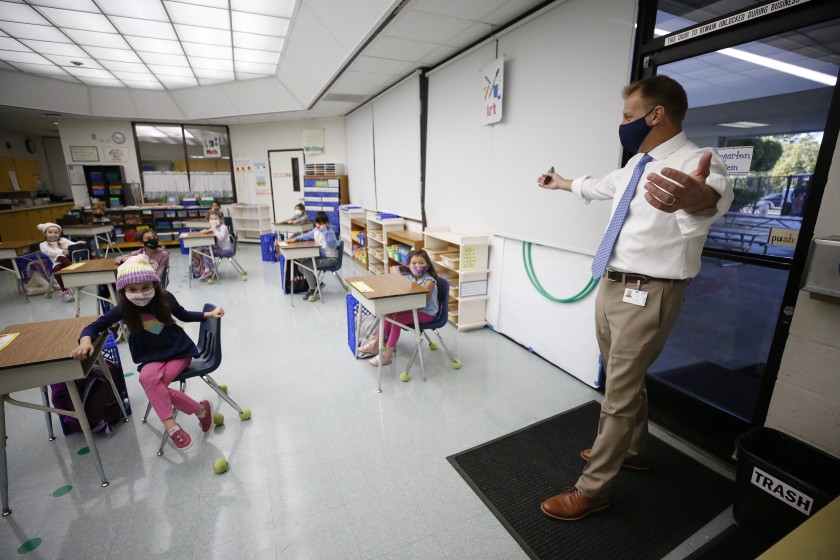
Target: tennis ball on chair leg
218,418
220,466
245,414
224,388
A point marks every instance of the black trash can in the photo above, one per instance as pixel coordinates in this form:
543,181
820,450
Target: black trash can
780,482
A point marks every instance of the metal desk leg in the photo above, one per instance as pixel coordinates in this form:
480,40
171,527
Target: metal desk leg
107,371
292,280
19,277
48,274
80,411
4,473
189,267
381,342
78,298
419,337
46,400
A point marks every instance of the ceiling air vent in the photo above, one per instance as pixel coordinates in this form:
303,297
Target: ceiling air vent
344,97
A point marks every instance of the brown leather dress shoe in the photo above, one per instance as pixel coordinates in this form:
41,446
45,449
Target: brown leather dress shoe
636,463
571,505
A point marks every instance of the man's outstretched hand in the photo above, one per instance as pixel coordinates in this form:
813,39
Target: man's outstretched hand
674,190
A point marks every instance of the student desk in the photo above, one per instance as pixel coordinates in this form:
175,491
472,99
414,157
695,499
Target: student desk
198,243
196,224
389,293
292,228
88,273
97,232
38,357
14,249
296,251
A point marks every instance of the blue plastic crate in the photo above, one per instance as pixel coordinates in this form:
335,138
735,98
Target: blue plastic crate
110,350
353,308
267,243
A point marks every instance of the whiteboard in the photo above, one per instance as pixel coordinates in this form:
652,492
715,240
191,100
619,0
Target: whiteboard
359,138
396,130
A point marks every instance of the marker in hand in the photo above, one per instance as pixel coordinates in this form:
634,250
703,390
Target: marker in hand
547,179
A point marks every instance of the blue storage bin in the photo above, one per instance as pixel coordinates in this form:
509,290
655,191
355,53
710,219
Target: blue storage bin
267,244
353,308
184,250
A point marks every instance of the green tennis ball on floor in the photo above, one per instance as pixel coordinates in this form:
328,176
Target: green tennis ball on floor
218,418
220,466
224,388
245,414
404,376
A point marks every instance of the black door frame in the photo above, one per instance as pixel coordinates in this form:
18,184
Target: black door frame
706,425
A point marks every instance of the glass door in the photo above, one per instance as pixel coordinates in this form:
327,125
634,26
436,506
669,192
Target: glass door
714,378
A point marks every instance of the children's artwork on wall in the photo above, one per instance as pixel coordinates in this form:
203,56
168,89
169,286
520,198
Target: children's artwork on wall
492,80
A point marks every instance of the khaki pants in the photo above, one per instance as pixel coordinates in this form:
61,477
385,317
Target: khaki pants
630,338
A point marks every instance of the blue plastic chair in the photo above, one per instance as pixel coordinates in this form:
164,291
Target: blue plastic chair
440,320
231,258
334,269
209,359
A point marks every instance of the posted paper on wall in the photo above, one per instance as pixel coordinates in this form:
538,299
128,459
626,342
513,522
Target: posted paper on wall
492,79
313,141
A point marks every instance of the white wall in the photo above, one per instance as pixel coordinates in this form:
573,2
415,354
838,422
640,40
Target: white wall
98,132
806,399
253,141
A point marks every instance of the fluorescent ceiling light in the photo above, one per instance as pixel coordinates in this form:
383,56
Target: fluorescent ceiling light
78,20
211,63
63,60
166,59
203,35
212,3
145,28
771,63
175,82
277,8
224,75
94,39
37,32
259,42
212,81
248,55
163,70
50,69
9,44
137,76
107,82
18,56
21,13
146,44
264,25
208,51
77,5
144,84
148,131
152,11
190,13
255,67
743,124
47,47
89,73
101,54
116,66
171,131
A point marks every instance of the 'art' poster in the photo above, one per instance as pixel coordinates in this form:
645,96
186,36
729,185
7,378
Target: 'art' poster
492,80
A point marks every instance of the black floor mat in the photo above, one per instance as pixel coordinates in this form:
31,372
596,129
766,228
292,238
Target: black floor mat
650,512
733,543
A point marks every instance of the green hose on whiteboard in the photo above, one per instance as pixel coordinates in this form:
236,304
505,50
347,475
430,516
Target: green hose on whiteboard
532,276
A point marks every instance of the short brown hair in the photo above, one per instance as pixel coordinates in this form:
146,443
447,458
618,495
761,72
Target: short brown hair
662,90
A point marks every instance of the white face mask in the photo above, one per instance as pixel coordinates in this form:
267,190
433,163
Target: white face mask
298,212
53,237
214,223
140,299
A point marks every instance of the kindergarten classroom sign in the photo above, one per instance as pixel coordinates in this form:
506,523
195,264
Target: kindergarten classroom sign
737,158
492,81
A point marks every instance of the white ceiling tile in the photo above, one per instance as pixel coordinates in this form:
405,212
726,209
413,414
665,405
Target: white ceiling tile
145,28
47,47
146,44
259,42
77,5
89,73
466,9
63,60
263,25
248,55
192,13
211,64
349,22
85,38
21,13
120,55
5,66
145,84
365,78
243,76
277,8
137,76
18,56
210,81
78,20
93,81
167,59
510,11
214,74
29,31
381,65
399,49
141,10
51,69
354,89
203,35
255,67
430,28
222,4
208,51
438,55
116,66
296,77
161,70
9,44
173,82
470,35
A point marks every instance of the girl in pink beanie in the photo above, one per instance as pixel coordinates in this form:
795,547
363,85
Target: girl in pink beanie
160,347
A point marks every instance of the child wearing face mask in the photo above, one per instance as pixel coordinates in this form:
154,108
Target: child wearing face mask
57,248
158,256
202,266
160,347
299,216
422,272
325,237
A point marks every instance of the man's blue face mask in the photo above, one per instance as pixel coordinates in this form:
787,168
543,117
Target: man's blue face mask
634,133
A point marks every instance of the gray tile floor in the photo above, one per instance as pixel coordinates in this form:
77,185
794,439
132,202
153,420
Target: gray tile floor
326,468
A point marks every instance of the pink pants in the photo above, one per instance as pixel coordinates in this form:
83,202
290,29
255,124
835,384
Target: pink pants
155,378
60,263
392,332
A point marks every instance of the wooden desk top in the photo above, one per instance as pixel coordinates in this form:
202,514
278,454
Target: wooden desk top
48,341
195,235
297,244
386,285
16,245
93,265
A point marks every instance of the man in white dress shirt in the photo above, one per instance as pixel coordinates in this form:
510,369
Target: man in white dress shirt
660,238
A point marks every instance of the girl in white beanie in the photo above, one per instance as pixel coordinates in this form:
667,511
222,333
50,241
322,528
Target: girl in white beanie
57,248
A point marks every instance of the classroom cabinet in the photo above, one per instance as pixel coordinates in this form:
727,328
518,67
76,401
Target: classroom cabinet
378,226
21,224
351,221
325,194
250,221
463,260
105,183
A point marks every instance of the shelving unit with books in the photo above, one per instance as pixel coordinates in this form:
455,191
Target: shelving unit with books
250,221
378,227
